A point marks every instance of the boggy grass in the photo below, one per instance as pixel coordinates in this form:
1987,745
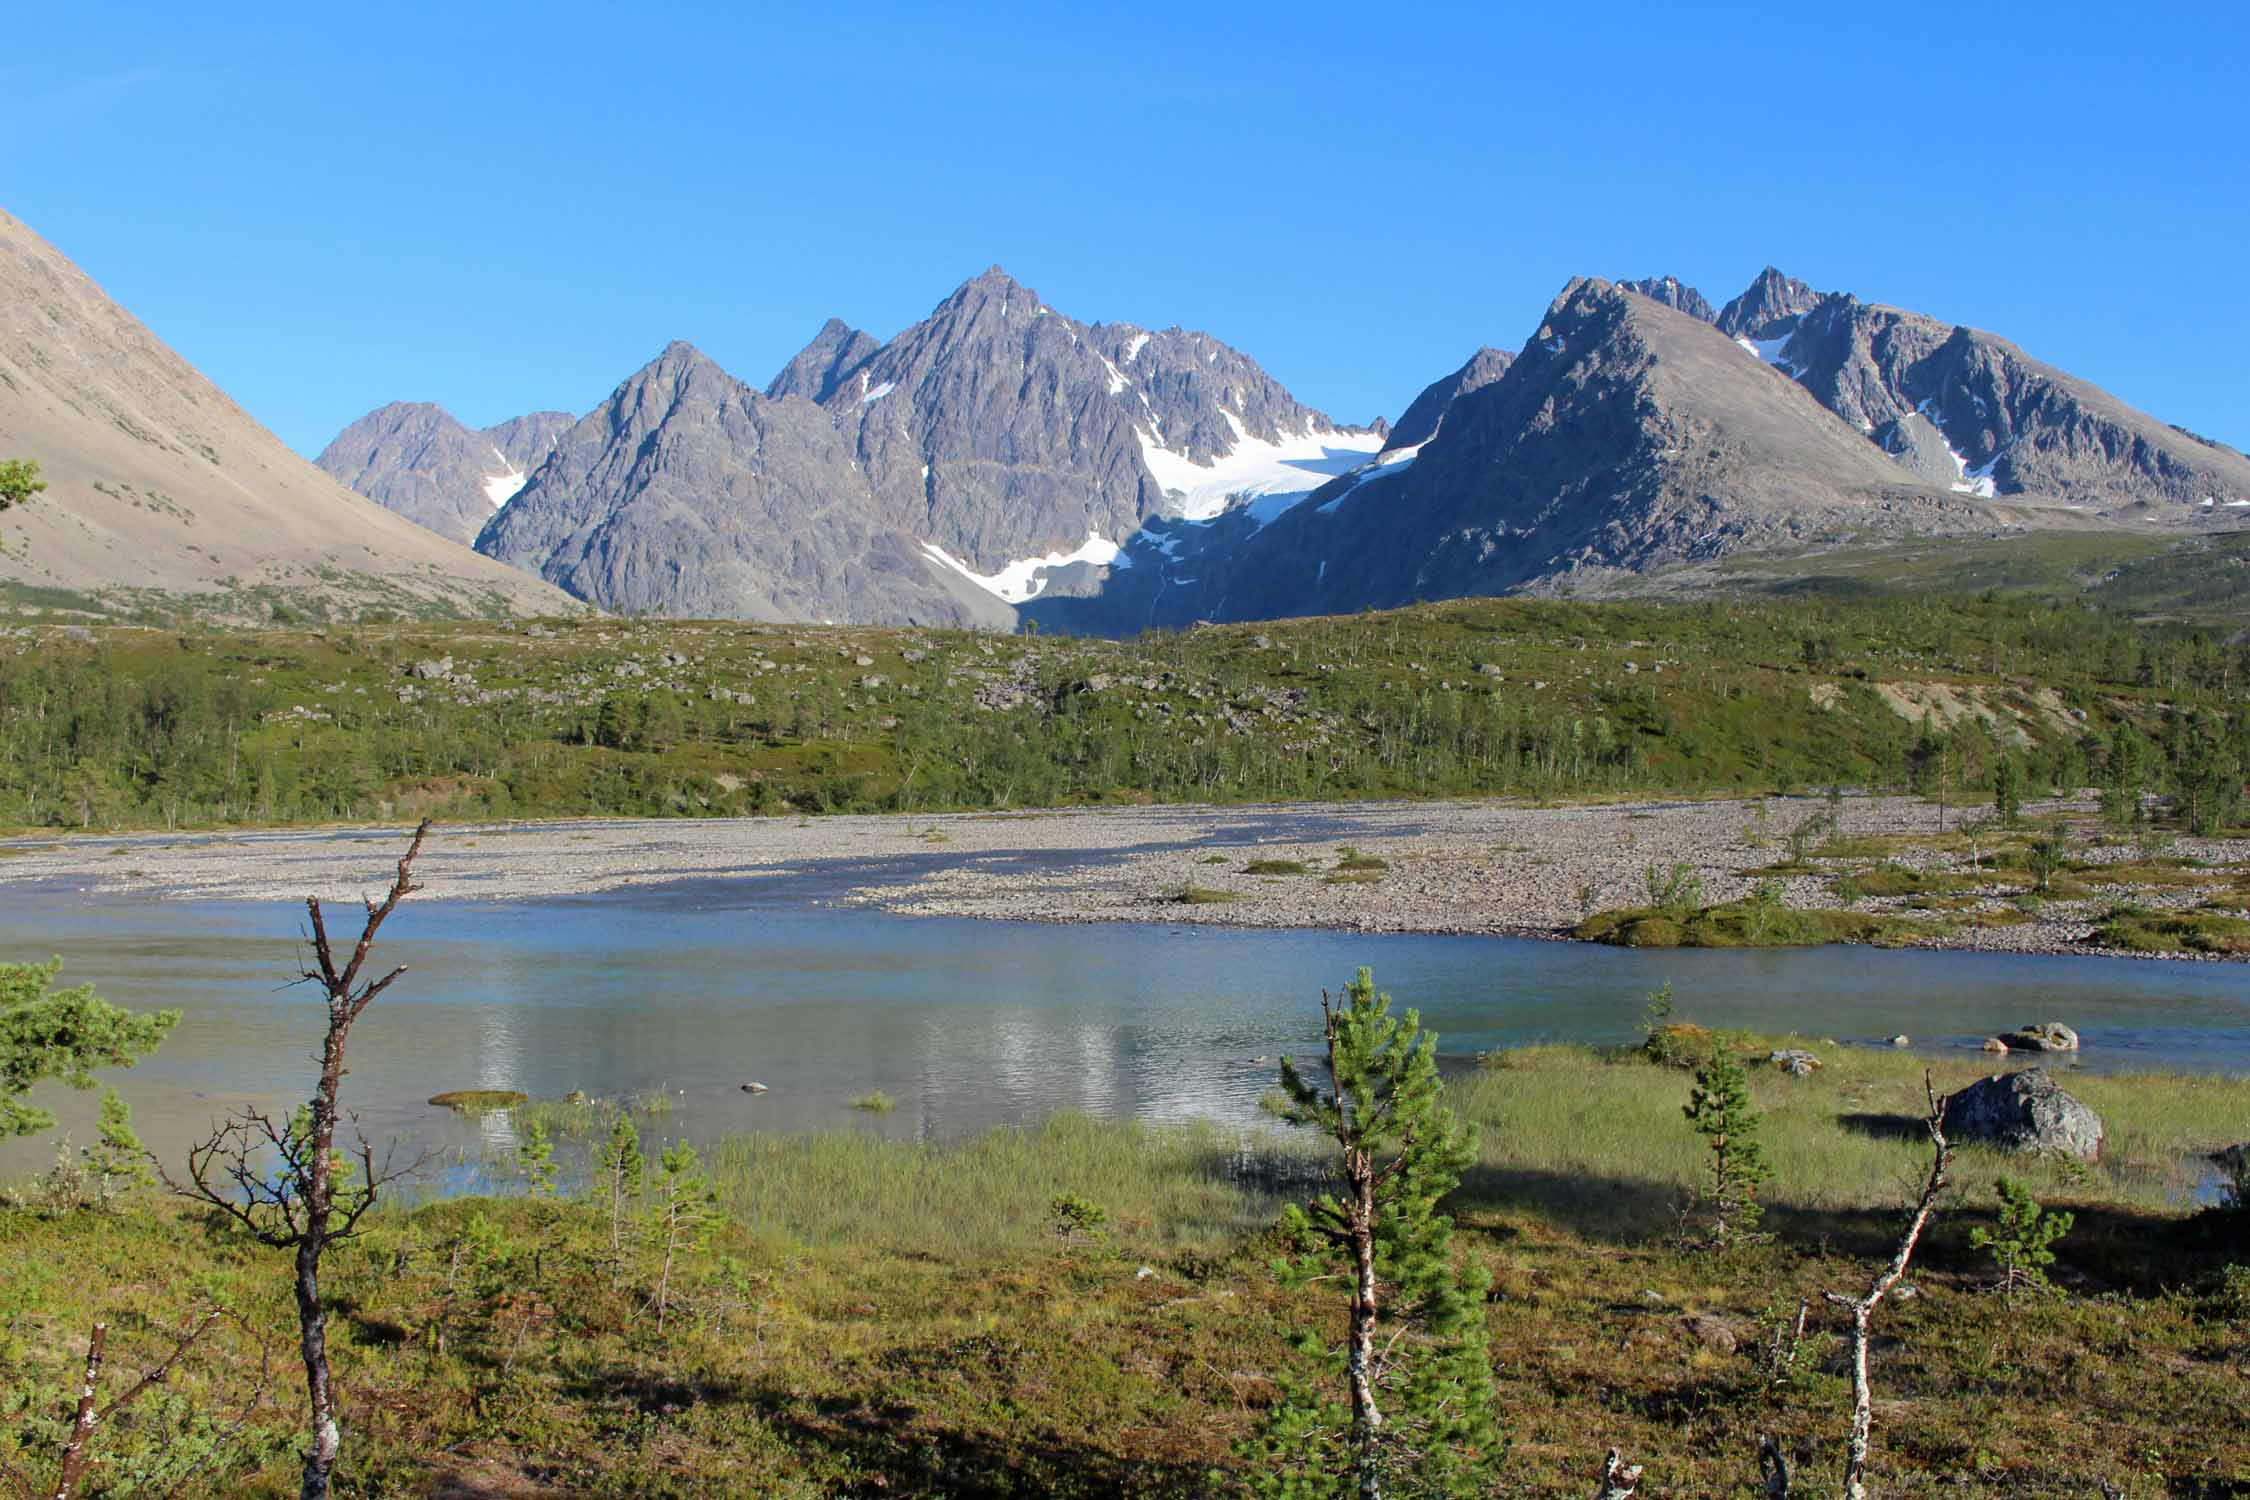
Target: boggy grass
1185,1187
893,1318
1595,1143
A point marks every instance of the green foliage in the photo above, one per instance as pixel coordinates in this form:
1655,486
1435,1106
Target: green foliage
116,1162
535,1157
2007,791
1721,1110
2046,856
2021,1243
1076,1219
19,481
691,719
874,1102
1400,1152
62,1035
1676,890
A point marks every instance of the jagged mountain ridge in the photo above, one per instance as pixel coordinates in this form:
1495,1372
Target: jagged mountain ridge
158,482
1626,435
689,493
414,458
1426,413
999,430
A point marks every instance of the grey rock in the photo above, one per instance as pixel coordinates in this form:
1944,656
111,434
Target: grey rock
1769,307
2046,1036
2026,1112
1795,1061
1970,410
1421,419
415,459
834,354
689,494
1902,1040
1994,1044
434,671
1712,1332
1625,437
1676,294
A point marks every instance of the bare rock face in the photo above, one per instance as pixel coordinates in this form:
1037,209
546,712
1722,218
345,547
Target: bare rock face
2027,1113
1972,412
689,494
414,458
1675,294
999,429
1421,420
1624,436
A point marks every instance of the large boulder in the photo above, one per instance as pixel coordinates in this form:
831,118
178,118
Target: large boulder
2047,1036
2025,1112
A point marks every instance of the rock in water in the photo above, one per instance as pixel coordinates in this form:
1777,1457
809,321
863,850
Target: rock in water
2046,1036
1902,1040
2025,1112
755,1087
1994,1044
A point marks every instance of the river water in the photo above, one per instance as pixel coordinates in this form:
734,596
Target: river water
690,991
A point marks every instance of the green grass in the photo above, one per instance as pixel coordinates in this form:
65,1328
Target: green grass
874,1102
2139,930
1350,860
1276,867
1192,894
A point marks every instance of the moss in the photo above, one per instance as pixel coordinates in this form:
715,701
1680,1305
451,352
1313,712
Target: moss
1192,894
1276,867
1742,924
476,1101
2138,930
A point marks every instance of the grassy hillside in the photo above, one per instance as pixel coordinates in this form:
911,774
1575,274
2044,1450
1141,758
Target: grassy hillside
116,727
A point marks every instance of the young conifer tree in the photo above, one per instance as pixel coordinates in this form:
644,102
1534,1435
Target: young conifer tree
1723,1113
1416,1419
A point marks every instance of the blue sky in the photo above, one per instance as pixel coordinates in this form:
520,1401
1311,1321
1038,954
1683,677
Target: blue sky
505,208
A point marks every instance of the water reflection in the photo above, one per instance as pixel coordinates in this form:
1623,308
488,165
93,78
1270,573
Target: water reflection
694,993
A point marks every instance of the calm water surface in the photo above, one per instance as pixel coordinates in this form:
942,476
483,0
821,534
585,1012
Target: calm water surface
693,990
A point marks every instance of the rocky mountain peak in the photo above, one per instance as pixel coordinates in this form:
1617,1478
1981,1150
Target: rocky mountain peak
1674,293
1422,418
1769,307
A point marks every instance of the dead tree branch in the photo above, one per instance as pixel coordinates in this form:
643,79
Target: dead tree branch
1620,1480
1862,1309
287,1184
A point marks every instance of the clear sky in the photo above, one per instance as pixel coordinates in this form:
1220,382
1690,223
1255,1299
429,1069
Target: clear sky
504,208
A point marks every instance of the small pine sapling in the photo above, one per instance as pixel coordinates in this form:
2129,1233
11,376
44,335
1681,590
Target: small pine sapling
2022,1243
1723,1113
619,1168
1414,1335
683,1214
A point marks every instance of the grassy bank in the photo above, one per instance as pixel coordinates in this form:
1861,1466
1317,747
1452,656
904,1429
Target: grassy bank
115,727
876,1318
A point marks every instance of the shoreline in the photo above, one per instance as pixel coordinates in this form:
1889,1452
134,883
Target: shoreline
1465,868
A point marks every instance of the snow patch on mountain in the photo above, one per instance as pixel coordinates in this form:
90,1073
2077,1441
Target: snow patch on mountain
1293,467
1968,481
1768,351
501,488
1019,581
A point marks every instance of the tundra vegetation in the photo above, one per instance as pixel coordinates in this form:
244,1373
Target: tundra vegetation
1081,1307
115,727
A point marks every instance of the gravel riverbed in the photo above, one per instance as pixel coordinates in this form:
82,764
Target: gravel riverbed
1451,867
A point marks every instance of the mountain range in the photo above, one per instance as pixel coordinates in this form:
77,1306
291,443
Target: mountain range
161,491
1001,462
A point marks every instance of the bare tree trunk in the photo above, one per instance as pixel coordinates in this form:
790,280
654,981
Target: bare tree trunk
1863,1308
82,1426
1773,1469
1367,1419
312,1318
